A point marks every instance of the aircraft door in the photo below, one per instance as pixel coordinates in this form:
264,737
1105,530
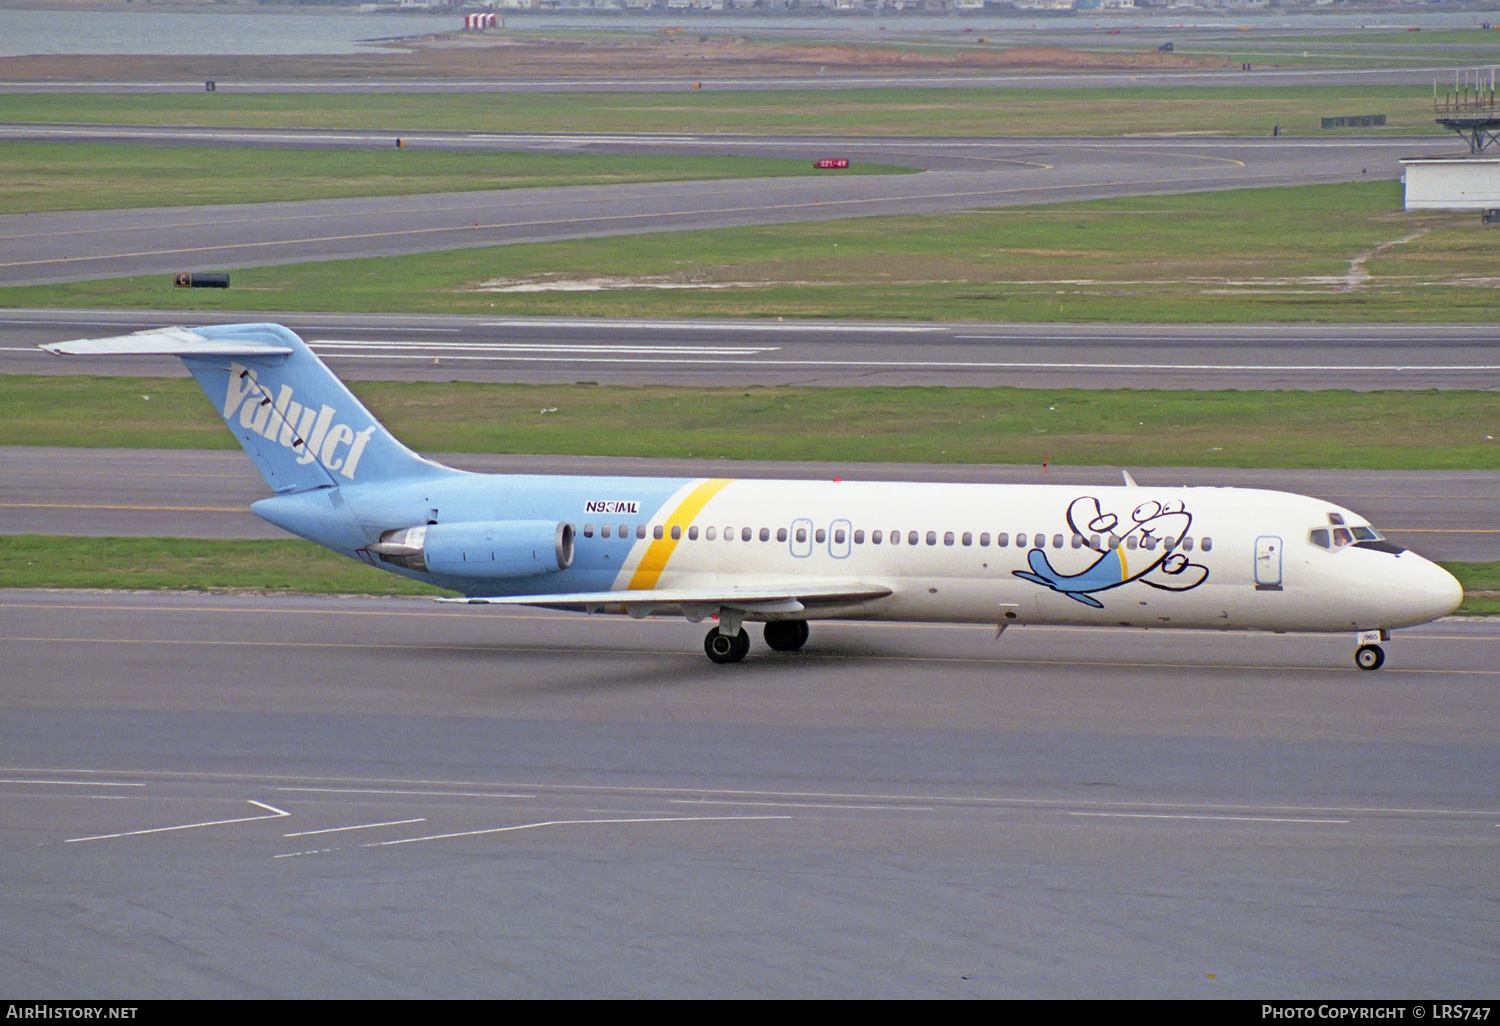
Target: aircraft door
802,538
838,539
1267,563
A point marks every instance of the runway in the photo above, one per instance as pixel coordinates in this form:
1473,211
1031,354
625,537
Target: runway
217,796
722,353
114,492
56,247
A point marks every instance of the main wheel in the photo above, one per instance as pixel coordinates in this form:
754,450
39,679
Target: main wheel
726,648
1369,657
786,635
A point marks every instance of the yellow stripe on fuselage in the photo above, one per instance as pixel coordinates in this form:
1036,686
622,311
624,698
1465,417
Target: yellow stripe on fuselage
650,568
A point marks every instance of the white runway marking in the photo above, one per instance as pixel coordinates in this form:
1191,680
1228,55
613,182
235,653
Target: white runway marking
574,822
421,794
1178,815
275,814
360,826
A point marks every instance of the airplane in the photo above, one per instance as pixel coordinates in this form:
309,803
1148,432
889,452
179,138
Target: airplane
784,553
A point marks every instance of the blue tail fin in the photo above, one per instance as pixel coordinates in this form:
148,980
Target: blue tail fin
297,421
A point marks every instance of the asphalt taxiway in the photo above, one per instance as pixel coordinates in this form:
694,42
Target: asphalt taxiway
234,796
718,352
77,246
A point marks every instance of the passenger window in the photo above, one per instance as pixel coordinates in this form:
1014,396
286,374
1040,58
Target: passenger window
1114,541
781,534
838,536
802,534
640,530
604,531
676,532
1002,540
729,534
1078,541
693,533
1130,541
710,534
624,530
820,536
984,539
588,530
895,537
859,537
931,537
1094,541
745,534
1149,543
1020,540
1057,541
875,537
765,534
1208,545
657,532
911,537
1187,545
967,539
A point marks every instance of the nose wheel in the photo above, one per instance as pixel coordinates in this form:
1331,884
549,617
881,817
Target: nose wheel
1369,657
726,648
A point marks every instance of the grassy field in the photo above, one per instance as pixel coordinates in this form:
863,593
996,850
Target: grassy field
880,111
1325,253
1416,430
36,177
180,564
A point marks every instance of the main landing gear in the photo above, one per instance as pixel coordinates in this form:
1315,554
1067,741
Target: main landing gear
1369,655
726,648
781,635
786,635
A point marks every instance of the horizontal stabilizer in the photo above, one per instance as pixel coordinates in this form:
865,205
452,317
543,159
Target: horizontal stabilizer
782,597
166,342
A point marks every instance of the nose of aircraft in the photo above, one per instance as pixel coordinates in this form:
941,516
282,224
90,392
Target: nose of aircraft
1436,591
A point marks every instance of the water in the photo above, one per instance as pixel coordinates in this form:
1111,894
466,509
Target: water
160,32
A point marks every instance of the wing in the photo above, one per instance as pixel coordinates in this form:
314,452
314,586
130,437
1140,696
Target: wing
782,597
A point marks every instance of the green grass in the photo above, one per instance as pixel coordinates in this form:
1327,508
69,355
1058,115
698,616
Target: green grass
186,564
182,564
36,177
880,111
1244,256
1415,430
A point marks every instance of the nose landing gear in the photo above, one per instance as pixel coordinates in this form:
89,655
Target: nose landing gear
1369,655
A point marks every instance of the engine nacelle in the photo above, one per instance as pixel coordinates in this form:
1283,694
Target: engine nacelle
486,548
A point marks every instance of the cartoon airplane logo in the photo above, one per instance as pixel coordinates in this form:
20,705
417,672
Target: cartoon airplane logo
1156,532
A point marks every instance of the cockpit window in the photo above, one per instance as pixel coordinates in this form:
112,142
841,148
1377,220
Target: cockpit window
1336,519
1338,537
